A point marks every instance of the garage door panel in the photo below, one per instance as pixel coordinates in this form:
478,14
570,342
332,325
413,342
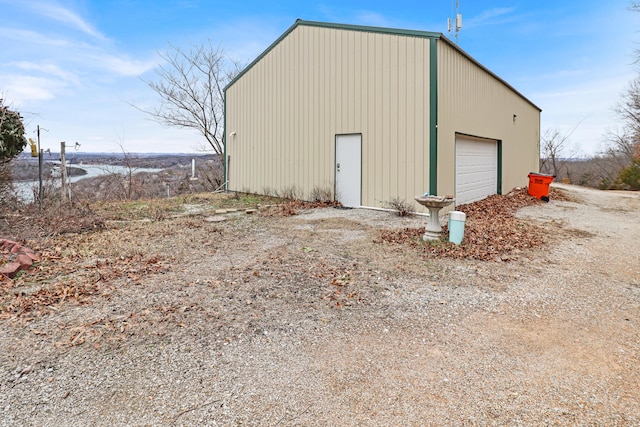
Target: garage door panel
476,168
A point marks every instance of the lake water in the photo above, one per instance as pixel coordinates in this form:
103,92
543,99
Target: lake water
26,189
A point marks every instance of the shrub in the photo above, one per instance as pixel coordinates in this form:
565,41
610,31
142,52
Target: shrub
12,140
630,176
400,206
321,194
268,191
290,193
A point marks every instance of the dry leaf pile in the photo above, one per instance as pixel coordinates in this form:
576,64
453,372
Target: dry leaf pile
492,232
29,223
291,207
63,279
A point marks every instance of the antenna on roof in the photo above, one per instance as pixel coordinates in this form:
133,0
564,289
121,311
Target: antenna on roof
458,21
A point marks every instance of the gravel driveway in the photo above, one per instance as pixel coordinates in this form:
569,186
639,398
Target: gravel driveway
306,321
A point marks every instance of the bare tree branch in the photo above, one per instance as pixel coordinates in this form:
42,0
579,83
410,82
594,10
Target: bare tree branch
552,145
191,89
555,149
623,145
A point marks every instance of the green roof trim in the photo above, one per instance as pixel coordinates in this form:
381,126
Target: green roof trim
433,116
368,29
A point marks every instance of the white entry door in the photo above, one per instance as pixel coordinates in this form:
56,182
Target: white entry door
349,169
476,168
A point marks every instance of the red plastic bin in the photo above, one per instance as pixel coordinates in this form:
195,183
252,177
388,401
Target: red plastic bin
539,185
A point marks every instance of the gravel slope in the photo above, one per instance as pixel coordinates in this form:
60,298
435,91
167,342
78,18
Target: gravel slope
306,321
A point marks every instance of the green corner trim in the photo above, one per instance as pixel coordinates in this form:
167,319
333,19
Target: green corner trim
433,116
224,141
499,172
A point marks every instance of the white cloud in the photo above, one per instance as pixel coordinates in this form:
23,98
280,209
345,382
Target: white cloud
66,16
124,66
490,17
26,89
30,37
48,69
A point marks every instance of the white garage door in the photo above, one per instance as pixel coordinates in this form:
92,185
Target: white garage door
476,168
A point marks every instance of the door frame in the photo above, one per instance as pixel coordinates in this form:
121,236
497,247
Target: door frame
335,168
498,143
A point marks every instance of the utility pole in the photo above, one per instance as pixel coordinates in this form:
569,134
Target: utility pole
63,168
40,166
39,172
40,156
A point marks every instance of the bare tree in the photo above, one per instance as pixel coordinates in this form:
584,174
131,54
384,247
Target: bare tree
555,150
620,146
128,187
191,87
625,144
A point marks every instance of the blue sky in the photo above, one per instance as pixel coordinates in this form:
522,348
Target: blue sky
74,67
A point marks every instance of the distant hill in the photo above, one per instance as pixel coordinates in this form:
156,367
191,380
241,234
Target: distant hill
25,167
140,160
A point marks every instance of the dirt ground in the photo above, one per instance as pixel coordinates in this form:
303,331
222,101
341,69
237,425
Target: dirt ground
311,320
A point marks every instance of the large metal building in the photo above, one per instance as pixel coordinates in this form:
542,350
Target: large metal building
375,114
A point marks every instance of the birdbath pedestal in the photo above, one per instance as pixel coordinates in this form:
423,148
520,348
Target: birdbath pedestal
433,230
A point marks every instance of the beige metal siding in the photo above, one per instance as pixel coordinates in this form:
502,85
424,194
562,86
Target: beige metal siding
471,101
319,82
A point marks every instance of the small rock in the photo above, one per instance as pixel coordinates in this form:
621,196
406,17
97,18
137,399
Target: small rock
34,257
7,244
216,218
10,269
24,260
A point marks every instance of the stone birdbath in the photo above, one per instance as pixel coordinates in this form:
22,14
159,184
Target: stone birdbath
434,204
